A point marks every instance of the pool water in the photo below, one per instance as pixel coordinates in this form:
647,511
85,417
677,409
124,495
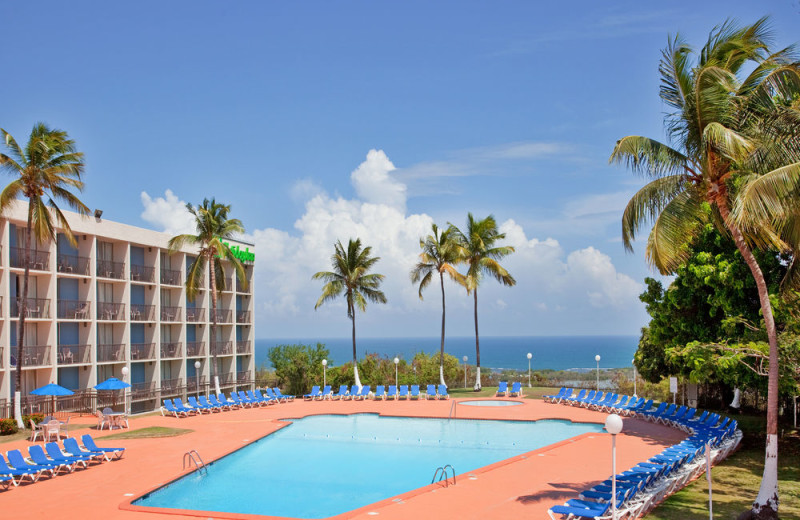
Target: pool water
490,402
321,466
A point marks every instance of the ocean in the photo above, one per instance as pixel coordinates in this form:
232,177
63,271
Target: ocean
497,352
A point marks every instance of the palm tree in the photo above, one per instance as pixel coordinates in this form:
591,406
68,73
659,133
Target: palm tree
46,170
213,228
350,277
725,135
481,256
439,253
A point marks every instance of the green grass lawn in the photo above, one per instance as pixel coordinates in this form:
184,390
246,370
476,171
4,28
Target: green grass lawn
152,432
490,391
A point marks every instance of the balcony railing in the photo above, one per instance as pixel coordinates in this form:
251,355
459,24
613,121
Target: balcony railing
141,351
242,316
243,376
109,269
170,313
227,379
143,391
110,311
241,289
195,348
192,383
222,348
110,353
39,260
170,276
171,386
74,309
229,283
194,315
142,273
72,264
74,354
38,308
243,347
141,312
32,356
171,350
224,316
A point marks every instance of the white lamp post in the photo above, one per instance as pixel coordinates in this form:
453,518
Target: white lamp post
125,392
597,358
529,369
465,371
396,361
324,373
613,426
633,362
197,377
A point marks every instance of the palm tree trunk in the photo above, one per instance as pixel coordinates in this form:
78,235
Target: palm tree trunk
766,503
355,360
22,306
477,345
441,349
213,342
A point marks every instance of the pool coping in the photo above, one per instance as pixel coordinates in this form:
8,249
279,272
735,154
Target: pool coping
283,422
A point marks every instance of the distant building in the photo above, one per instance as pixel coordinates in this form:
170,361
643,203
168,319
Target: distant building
118,300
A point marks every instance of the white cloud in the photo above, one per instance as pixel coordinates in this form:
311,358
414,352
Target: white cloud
304,189
167,213
374,184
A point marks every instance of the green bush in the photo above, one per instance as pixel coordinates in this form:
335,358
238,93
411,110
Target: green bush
35,417
8,426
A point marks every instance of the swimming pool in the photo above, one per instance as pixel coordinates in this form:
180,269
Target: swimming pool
490,402
325,465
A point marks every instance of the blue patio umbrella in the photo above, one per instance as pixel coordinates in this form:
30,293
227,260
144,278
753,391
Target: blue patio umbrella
112,383
54,390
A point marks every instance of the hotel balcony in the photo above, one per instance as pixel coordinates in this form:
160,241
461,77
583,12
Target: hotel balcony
109,269
71,264
195,315
193,386
243,347
242,316
227,379
110,353
143,391
171,350
74,354
243,376
141,312
170,314
229,283
39,260
110,311
32,356
224,316
37,308
141,273
171,386
222,348
74,309
241,289
143,351
170,277
195,349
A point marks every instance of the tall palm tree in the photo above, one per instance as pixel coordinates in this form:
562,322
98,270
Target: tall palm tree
482,255
213,227
725,133
46,170
350,276
440,251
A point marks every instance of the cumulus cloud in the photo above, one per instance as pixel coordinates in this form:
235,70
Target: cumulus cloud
167,213
374,184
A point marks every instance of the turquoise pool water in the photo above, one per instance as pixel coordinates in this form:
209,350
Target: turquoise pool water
325,465
490,402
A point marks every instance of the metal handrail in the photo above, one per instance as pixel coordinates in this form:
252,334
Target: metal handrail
142,273
73,264
452,410
443,470
195,457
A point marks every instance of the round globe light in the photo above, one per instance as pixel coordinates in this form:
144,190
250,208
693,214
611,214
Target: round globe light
197,365
324,362
613,424
465,359
396,360
597,358
530,355
124,371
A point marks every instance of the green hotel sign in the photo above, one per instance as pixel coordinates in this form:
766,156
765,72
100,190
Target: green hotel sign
244,255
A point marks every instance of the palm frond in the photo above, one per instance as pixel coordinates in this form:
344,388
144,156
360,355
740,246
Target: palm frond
648,157
194,276
727,142
673,231
646,204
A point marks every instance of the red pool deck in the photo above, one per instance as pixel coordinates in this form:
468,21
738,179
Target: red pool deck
520,487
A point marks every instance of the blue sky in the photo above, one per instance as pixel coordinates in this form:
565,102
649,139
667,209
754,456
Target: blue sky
510,108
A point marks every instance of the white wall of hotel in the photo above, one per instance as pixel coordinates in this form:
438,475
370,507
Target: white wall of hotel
117,300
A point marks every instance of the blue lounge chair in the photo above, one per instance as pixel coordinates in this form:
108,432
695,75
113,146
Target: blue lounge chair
38,457
442,393
180,406
516,389
227,402
647,414
72,448
502,389
352,393
32,474
16,459
89,444
279,394
403,394
269,398
223,406
242,399
430,392
203,400
580,509
257,399
414,392
238,402
341,394
576,398
245,399
326,394
363,394
616,404
555,398
380,393
169,407
193,403
54,452
313,394
392,393
588,403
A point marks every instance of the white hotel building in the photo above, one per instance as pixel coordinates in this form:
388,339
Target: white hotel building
116,301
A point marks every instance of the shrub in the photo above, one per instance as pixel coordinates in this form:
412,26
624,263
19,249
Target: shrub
8,426
35,417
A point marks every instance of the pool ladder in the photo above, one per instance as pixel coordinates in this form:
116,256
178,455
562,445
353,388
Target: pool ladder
441,472
193,456
452,410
